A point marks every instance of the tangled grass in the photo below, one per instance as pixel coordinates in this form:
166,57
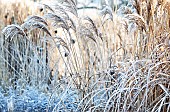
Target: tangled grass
117,62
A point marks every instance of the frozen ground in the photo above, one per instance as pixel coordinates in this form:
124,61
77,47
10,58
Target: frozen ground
33,101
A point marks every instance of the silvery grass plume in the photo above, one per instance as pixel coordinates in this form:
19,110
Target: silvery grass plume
92,25
63,8
59,17
34,22
36,18
31,23
84,31
88,28
57,20
11,30
123,10
107,14
57,9
63,43
70,6
139,20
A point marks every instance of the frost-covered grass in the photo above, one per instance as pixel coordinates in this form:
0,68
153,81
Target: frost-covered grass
32,100
116,61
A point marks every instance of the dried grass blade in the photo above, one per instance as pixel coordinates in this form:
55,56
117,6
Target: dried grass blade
165,89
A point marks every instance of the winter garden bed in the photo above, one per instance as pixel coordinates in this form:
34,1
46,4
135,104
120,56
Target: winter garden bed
57,61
